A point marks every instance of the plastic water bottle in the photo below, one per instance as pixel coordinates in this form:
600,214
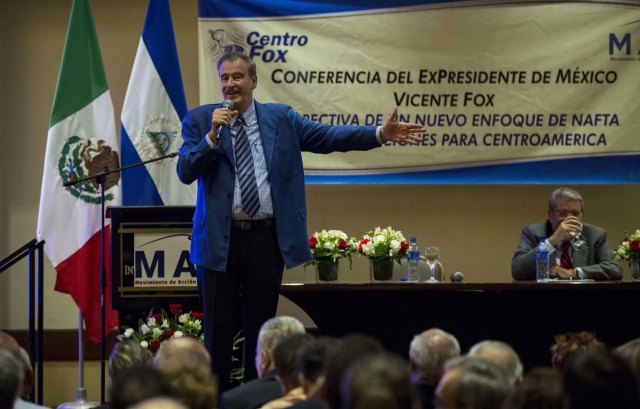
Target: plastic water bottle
413,261
542,260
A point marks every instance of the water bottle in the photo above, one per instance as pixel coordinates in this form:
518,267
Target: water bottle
413,261
542,260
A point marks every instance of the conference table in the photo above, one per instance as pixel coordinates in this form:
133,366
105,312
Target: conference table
526,315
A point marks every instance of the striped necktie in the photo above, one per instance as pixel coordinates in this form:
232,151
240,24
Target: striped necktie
565,259
246,174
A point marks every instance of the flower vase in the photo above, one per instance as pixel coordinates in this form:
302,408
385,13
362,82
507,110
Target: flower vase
634,266
327,270
381,270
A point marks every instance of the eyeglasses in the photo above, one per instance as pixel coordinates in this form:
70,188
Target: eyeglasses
564,213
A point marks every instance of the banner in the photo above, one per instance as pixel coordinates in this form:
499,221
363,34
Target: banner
81,142
151,116
508,93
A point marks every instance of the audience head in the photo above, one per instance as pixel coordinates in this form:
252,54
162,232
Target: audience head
126,354
271,332
471,383
135,384
568,344
285,357
541,388
630,353
10,379
428,353
311,362
501,354
186,365
159,403
25,371
349,349
596,379
379,381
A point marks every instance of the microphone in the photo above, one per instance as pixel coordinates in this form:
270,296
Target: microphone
456,277
229,105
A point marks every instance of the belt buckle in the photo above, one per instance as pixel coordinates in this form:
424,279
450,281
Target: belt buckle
245,225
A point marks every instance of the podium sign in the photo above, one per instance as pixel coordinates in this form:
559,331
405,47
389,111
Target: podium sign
150,257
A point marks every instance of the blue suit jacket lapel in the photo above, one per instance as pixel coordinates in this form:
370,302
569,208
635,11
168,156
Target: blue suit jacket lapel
267,125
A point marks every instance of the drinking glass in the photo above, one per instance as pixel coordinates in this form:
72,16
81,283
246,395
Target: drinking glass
432,254
578,243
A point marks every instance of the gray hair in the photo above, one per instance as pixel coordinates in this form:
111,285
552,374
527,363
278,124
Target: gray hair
10,379
275,329
430,350
234,56
501,354
481,384
565,193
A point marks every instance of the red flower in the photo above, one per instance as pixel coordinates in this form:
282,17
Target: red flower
175,308
157,317
197,315
168,334
634,245
312,242
343,244
154,345
403,247
362,243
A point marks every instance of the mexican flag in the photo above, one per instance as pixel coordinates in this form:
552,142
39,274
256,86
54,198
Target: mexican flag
81,142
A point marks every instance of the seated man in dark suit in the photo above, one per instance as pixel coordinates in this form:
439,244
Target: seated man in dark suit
257,392
594,260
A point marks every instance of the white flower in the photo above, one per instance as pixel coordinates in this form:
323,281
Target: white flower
144,329
144,344
157,332
128,332
197,324
395,245
165,323
178,334
329,245
183,318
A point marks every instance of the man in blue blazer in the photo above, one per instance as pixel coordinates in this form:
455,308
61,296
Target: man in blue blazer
251,218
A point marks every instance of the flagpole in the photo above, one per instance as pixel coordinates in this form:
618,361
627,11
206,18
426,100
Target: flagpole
100,179
81,393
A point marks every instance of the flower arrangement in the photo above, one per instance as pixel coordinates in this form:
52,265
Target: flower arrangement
160,327
332,245
383,244
629,248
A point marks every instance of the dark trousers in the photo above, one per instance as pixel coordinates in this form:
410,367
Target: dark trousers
245,296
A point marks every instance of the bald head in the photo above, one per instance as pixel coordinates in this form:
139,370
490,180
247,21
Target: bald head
501,354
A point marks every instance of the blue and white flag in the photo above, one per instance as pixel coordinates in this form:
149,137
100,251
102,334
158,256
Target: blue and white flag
151,116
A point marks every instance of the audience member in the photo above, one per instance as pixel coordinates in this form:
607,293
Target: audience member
565,211
567,345
471,383
350,348
311,362
285,358
427,354
126,354
541,388
379,381
10,379
26,371
630,353
135,384
596,379
186,365
159,403
501,354
257,392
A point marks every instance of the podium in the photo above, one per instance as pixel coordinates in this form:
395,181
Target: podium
150,260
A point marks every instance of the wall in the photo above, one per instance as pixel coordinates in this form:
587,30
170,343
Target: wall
476,227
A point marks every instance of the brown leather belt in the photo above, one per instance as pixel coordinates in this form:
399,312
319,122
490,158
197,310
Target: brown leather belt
252,224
